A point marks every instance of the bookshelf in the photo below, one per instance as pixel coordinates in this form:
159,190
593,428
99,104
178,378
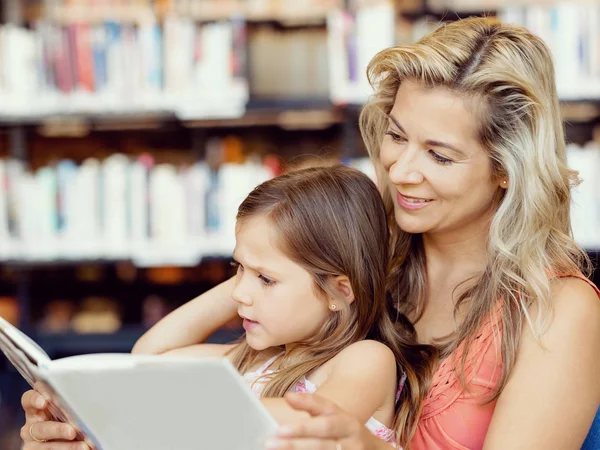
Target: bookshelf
78,110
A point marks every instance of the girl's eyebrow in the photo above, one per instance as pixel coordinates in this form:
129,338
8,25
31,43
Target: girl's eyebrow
254,268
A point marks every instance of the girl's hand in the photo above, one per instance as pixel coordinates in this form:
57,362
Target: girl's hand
329,428
40,432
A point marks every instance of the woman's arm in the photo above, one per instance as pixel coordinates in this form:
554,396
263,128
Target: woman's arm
554,391
328,427
191,323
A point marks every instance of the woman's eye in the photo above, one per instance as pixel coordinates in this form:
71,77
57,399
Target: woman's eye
440,159
237,266
395,136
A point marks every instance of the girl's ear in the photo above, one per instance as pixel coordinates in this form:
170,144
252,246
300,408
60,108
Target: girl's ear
342,285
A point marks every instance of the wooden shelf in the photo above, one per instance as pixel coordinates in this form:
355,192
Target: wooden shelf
285,113
197,12
462,6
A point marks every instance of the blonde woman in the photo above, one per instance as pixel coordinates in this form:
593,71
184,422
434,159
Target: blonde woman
466,133
465,129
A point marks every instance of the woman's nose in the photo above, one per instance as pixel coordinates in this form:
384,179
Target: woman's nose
406,168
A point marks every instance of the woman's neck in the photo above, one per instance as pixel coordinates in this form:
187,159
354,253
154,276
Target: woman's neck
451,263
456,253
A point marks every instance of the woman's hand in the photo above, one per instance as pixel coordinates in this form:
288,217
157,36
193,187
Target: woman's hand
329,428
39,427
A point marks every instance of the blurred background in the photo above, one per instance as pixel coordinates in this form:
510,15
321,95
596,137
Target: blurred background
130,130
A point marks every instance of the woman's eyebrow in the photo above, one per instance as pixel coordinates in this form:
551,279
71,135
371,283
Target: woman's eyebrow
432,142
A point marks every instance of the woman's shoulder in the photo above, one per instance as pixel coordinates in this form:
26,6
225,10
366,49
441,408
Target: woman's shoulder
576,307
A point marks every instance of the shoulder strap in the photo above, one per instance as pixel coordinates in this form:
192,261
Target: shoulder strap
584,278
261,370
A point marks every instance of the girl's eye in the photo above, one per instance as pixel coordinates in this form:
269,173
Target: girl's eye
237,266
266,281
395,136
440,159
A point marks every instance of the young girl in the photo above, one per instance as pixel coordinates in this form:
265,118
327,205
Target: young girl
311,254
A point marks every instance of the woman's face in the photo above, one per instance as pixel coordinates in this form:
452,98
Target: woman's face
439,175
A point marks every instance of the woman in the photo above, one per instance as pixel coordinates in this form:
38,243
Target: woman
466,134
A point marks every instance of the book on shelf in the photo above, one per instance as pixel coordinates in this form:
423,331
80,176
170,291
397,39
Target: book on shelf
125,401
585,204
354,37
572,32
123,208
113,67
289,64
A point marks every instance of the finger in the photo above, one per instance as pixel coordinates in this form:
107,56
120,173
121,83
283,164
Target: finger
301,444
323,427
55,446
40,416
33,402
313,404
47,431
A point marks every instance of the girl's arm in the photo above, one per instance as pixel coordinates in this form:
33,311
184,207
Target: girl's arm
359,381
554,390
191,323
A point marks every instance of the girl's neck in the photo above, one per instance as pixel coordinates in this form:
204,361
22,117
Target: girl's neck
271,352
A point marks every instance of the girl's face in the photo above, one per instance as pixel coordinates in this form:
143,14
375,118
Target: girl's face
276,297
438,174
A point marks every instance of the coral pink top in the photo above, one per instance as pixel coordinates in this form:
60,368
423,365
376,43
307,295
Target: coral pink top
452,418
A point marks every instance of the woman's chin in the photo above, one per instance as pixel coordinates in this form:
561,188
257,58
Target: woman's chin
410,224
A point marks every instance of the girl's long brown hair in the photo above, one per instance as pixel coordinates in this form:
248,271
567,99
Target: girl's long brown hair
332,221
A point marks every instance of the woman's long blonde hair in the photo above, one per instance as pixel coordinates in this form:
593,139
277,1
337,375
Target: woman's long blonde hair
332,221
506,74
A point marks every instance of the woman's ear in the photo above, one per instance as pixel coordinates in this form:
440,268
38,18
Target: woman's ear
342,285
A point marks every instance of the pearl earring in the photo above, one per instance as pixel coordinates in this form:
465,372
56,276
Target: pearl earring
333,307
505,182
